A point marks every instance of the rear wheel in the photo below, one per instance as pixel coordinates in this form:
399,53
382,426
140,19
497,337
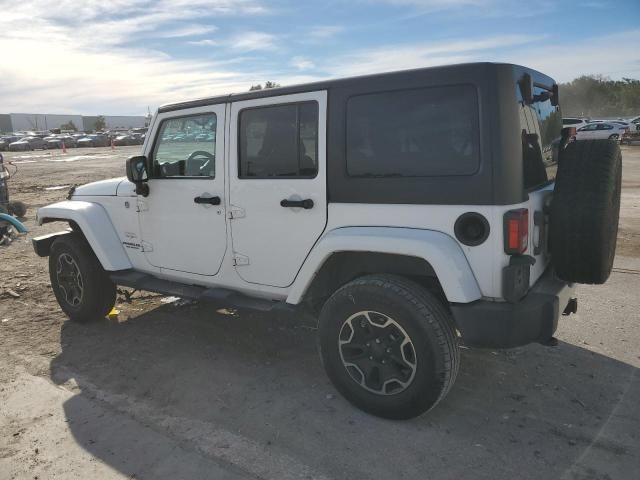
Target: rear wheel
614,137
389,346
81,286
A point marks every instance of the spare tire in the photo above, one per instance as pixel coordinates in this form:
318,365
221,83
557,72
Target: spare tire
585,211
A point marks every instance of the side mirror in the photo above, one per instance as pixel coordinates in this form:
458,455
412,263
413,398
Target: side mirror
137,173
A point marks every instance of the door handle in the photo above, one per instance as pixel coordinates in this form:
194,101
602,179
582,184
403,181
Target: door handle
207,200
307,204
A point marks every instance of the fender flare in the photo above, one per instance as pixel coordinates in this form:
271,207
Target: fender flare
440,250
96,226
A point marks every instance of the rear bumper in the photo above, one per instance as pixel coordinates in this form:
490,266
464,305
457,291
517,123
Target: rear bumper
505,325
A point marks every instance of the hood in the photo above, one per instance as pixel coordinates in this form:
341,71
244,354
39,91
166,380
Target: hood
102,188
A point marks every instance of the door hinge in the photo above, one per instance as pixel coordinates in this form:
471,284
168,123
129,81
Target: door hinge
146,246
240,260
235,212
141,206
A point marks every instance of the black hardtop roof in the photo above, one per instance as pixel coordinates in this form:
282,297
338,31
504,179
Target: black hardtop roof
472,68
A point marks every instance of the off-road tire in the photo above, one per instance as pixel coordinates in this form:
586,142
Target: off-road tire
424,318
585,211
99,292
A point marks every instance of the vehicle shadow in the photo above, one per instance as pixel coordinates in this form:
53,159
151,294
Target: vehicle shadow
249,390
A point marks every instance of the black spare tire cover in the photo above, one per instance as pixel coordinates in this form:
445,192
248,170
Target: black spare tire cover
585,211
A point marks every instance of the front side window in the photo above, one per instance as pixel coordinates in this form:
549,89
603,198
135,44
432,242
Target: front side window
186,147
414,133
279,141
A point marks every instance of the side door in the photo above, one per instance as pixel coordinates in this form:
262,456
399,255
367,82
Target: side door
182,220
277,184
604,130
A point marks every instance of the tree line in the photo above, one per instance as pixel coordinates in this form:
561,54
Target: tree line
598,96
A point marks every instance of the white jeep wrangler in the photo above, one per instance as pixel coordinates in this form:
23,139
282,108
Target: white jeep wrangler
412,210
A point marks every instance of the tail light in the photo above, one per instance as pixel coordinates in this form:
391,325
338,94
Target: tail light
516,231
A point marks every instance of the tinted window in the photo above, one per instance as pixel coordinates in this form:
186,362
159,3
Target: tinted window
413,133
186,147
541,127
279,141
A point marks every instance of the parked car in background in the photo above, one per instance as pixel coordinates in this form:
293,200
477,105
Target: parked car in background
5,141
93,141
138,138
576,122
28,143
600,130
635,121
124,140
56,141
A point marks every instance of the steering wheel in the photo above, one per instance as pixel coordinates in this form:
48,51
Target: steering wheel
201,153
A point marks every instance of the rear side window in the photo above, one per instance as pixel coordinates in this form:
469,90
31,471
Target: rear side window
414,133
540,130
279,141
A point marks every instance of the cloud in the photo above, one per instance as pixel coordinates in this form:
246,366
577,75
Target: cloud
324,31
404,56
561,61
613,55
251,41
477,8
207,42
96,61
187,31
302,63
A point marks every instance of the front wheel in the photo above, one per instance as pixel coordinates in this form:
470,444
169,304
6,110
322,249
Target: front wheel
389,346
81,286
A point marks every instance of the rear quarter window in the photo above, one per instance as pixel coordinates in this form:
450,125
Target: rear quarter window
540,129
413,133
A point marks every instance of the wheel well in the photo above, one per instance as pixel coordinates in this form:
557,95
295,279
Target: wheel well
44,245
342,267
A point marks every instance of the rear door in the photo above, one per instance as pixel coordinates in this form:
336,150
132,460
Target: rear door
277,180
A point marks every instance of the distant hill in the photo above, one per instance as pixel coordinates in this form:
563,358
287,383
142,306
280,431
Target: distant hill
598,96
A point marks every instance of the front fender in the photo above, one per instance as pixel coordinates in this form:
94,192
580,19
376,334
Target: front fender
440,250
96,226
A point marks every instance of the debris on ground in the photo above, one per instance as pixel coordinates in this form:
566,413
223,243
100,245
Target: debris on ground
177,301
170,299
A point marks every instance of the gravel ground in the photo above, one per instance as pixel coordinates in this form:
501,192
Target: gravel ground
164,391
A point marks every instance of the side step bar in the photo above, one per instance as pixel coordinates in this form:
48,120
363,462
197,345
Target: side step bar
144,281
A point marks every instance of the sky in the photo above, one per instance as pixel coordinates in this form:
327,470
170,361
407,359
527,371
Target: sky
121,57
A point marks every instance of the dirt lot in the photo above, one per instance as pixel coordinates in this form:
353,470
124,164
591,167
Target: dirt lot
190,392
